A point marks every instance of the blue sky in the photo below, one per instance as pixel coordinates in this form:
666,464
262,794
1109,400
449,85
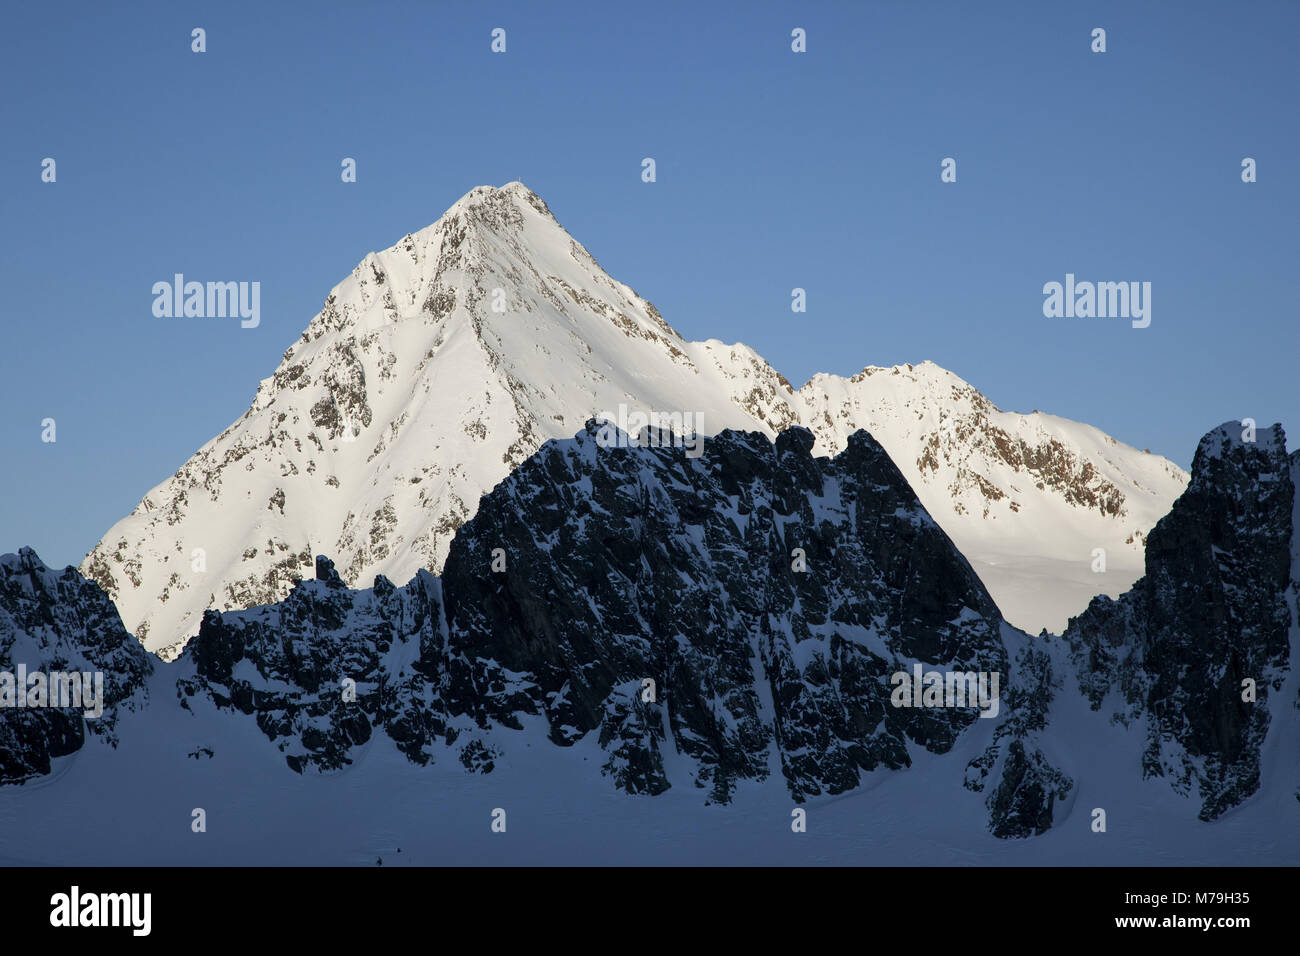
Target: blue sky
775,170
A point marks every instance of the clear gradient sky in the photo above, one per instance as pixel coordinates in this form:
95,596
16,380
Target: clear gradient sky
775,170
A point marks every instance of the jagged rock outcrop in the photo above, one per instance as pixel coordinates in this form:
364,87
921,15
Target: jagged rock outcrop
1211,613
324,668
745,608
1021,784
1191,657
58,623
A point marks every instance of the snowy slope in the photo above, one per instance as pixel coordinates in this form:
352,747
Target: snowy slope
561,811
441,363
1026,498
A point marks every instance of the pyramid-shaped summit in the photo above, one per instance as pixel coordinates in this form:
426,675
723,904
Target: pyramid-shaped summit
441,363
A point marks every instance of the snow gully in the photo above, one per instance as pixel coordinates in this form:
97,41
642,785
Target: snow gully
947,689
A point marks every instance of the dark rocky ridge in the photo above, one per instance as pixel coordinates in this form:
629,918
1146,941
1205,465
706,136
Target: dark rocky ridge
624,566
59,621
1211,611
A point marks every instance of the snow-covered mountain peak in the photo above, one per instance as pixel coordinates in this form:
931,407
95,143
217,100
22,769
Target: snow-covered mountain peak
1231,436
442,362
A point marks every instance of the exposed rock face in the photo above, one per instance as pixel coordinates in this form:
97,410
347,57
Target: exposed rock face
286,664
735,619
627,564
1026,786
57,621
1211,612
624,566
